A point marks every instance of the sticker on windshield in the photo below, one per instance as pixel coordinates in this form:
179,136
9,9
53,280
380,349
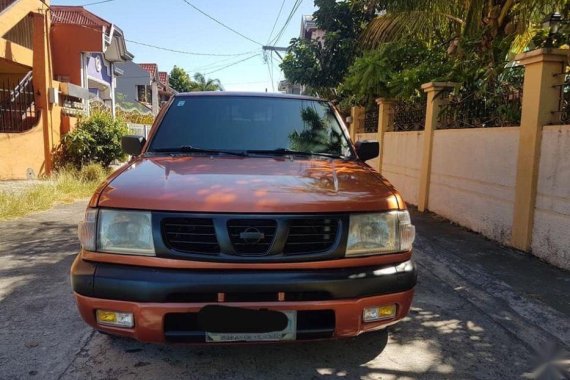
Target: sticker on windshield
181,103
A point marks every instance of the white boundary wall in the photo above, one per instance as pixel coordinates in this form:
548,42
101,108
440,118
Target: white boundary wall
551,232
401,162
473,177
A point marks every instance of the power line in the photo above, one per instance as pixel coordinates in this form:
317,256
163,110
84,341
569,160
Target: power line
188,52
221,23
275,23
232,64
294,9
95,3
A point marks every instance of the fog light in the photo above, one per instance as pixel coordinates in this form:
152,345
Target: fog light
114,318
377,313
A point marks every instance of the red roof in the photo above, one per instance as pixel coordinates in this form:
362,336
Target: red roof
75,15
151,68
163,77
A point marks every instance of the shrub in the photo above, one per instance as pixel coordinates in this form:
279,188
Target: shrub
97,139
93,173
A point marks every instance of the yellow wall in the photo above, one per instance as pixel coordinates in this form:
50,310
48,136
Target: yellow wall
20,151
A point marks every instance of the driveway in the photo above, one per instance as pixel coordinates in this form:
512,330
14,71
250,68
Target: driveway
481,311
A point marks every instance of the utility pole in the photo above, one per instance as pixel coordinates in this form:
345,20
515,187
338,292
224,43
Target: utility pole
276,49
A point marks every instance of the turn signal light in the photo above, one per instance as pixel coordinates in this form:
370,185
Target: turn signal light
114,318
378,313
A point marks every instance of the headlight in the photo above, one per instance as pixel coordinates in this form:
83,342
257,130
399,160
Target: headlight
127,232
115,231
87,229
387,232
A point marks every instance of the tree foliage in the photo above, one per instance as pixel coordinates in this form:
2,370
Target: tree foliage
179,79
322,64
488,29
395,70
201,83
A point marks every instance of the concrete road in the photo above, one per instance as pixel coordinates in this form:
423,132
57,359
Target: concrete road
481,311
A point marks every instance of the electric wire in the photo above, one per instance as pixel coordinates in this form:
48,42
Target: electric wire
275,23
294,9
232,64
188,52
95,3
221,23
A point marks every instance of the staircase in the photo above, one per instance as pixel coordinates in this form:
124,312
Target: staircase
17,108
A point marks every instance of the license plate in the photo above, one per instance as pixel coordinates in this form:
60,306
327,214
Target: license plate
288,333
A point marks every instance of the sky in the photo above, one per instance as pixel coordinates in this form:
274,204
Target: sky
173,24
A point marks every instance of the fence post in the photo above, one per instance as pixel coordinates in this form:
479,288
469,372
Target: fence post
433,104
385,114
356,113
540,106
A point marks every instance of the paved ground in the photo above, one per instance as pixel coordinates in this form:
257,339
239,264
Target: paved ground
481,311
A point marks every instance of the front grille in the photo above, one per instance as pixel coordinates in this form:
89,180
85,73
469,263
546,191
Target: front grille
311,235
238,230
250,238
194,235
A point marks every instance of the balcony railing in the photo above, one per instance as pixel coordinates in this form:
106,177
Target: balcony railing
5,4
17,107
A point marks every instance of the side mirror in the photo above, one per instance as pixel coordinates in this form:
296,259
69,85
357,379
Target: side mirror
367,150
133,145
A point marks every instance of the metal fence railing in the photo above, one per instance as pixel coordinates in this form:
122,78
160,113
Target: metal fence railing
371,120
497,104
409,115
476,110
565,97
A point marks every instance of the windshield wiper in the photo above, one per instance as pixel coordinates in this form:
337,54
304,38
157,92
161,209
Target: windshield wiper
285,151
192,149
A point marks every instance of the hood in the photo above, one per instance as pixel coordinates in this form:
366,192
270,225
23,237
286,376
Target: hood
248,185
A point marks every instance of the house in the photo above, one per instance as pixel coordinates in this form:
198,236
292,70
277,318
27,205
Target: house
165,92
52,61
131,91
29,110
86,51
309,30
143,87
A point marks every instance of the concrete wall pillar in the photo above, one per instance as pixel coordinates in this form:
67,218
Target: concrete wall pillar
540,106
385,120
433,105
43,80
357,124
155,100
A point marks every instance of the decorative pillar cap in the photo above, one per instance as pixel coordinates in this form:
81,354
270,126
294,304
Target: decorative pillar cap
543,55
438,86
380,101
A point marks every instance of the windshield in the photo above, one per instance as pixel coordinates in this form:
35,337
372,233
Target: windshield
250,124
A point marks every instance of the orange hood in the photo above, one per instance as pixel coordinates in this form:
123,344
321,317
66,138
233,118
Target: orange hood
248,185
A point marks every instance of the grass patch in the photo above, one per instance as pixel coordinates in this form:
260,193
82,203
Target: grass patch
65,186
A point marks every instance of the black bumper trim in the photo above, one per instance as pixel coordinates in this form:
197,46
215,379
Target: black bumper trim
144,284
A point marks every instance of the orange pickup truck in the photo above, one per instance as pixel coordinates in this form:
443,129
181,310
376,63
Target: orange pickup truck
245,218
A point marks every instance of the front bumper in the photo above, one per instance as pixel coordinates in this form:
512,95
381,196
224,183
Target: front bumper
164,302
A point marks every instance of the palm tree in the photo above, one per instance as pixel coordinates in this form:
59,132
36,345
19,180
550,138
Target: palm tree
479,23
200,83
